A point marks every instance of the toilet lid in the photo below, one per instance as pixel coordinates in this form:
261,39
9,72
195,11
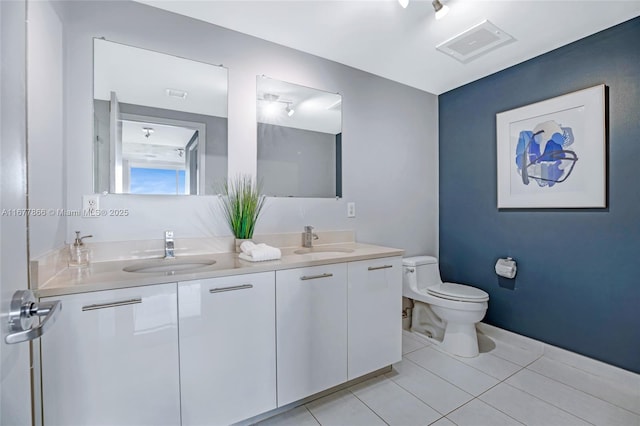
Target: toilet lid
459,292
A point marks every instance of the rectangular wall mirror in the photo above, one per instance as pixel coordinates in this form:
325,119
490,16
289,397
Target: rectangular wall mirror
160,122
299,140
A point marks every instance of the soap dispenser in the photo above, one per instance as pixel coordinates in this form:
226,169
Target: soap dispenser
79,253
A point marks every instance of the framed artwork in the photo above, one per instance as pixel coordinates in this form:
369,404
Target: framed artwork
551,154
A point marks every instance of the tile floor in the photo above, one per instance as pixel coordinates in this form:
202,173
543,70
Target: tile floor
504,385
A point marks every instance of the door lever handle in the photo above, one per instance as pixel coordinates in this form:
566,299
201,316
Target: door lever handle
24,309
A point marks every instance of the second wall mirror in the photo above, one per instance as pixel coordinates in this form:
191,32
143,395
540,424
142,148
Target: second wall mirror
299,140
160,122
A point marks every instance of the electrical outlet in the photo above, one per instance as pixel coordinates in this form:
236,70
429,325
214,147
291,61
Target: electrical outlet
91,205
351,209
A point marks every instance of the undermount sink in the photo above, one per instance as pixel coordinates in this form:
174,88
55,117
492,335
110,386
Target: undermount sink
329,250
170,266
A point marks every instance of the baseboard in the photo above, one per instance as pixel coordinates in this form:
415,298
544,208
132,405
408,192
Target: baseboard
575,360
291,406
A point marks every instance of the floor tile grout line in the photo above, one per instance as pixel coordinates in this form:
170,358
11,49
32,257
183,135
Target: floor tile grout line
425,402
546,402
420,399
487,374
435,374
442,417
463,363
589,372
578,389
314,417
495,408
492,406
411,351
365,404
513,362
581,391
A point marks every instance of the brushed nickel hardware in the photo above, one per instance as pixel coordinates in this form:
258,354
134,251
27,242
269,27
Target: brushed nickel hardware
308,236
168,245
313,277
375,268
112,304
24,309
231,288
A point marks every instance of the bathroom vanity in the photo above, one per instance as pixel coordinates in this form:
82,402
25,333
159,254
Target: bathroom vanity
219,344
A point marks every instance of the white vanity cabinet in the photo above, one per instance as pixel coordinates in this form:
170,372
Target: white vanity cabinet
227,348
374,314
311,323
112,359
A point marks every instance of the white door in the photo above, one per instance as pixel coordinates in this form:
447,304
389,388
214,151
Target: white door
115,142
15,381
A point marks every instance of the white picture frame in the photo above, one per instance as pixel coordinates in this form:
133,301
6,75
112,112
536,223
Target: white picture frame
552,154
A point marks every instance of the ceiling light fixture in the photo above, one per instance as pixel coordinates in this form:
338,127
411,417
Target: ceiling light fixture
441,9
147,131
290,111
404,3
271,107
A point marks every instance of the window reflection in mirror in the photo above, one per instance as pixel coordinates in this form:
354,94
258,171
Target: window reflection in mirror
160,122
299,140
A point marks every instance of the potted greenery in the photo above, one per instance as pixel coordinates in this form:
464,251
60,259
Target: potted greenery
242,204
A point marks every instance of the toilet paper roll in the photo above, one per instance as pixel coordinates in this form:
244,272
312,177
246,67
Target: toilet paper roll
506,267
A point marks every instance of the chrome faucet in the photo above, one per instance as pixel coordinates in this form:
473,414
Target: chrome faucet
308,236
168,245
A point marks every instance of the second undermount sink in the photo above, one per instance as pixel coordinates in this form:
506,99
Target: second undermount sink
329,250
170,266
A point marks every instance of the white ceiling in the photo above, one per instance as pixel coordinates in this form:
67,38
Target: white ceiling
381,37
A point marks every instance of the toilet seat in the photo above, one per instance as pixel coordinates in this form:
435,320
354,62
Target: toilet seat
458,292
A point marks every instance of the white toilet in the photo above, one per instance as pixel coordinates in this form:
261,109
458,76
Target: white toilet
446,313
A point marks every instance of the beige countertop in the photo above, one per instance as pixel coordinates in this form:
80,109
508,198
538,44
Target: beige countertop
109,275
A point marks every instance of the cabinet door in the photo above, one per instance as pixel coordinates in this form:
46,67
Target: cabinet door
227,348
112,359
375,314
311,318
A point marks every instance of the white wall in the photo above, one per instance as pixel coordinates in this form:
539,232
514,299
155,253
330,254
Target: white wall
389,135
46,157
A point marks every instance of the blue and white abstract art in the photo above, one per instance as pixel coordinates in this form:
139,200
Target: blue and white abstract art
551,154
543,155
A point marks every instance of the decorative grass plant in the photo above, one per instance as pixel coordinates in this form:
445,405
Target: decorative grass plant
242,204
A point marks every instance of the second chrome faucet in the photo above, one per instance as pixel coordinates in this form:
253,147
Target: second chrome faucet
308,236
168,245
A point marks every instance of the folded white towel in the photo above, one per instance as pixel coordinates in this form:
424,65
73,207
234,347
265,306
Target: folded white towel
258,252
247,246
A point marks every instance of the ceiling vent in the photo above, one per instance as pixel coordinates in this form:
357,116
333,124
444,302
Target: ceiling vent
475,42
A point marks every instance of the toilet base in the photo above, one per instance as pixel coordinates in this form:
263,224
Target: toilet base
461,340
453,337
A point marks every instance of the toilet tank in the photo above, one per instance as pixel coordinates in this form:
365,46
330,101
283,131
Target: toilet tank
425,271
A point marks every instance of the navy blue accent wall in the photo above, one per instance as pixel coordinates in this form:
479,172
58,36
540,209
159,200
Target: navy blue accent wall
578,282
